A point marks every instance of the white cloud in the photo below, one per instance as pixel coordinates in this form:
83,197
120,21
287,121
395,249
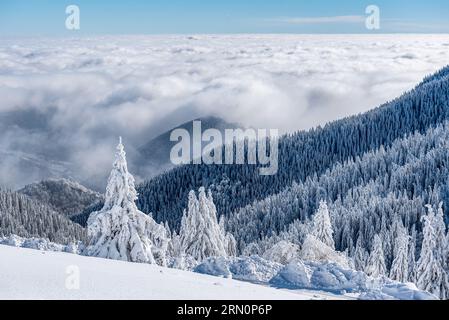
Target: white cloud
69,99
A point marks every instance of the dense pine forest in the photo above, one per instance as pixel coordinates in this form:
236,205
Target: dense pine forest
301,155
25,217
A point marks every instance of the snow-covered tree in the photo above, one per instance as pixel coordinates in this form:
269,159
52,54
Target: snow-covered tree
360,255
440,231
282,252
314,250
201,236
231,245
411,257
376,263
399,267
444,294
441,251
428,270
119,230
322,227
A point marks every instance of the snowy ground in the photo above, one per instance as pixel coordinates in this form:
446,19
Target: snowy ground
34,274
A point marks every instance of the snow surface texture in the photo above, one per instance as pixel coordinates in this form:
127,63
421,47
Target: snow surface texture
32,274
119,230
265,81
40,244
298,274
253,269
331,277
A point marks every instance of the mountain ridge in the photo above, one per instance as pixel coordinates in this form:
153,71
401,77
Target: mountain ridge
302,154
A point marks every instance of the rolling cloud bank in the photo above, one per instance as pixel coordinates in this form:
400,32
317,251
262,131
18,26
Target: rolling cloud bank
65,101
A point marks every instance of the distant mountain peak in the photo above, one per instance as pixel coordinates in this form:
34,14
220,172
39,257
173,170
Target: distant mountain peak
155,154
65,196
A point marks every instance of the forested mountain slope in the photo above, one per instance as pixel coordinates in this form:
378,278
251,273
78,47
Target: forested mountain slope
366,196
64,196
154,156
301,155
25,217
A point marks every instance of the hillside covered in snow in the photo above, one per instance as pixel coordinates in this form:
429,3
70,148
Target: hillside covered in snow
33,274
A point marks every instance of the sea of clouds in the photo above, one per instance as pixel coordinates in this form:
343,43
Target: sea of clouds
64,101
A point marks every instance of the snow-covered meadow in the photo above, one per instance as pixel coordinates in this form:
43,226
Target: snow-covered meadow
33,274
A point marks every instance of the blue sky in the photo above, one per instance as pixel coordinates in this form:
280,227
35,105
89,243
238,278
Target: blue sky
47,17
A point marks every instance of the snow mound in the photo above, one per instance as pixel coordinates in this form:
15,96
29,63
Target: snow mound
398,291
330,277
40,244
333,278
253,268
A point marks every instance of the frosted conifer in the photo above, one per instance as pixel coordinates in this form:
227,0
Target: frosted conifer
119,230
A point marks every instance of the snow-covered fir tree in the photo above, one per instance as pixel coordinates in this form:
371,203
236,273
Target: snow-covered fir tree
441,250
360,255
119,230
444,294
400,265
231,245
322,227
376,263
440,231
428,269
201,236
411,257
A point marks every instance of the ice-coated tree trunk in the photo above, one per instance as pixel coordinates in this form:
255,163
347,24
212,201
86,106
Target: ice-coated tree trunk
119,230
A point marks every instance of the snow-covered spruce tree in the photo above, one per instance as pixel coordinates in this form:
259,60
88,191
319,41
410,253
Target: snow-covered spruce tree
440,231
441,251
322,227
411,257
201,236
231,244
360,255
428,269
376,263
445,288
119,230
399,267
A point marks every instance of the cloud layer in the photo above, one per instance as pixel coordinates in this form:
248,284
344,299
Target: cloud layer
67,100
